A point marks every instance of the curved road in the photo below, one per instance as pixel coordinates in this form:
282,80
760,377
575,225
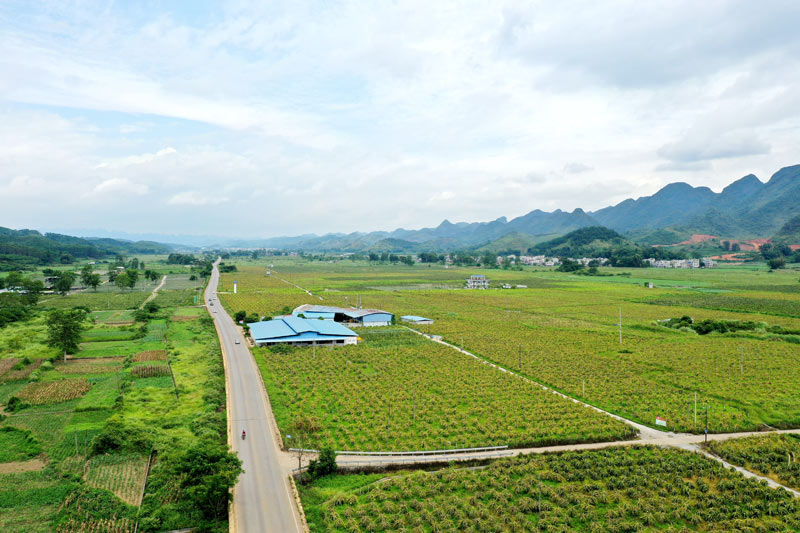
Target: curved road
262,499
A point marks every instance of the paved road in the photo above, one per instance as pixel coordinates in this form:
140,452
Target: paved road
262,500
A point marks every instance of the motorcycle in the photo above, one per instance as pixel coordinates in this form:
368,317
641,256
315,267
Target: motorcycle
243,434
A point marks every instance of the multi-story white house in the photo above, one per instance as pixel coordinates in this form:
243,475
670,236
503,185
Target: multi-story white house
477,281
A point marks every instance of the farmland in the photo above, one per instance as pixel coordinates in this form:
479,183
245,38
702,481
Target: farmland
87,425
398,391
774,456
616,489
562,331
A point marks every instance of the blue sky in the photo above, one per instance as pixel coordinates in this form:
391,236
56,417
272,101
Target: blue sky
275,118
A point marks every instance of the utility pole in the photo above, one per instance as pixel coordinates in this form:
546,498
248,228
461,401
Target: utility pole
695,410
620,325
583,387
520,357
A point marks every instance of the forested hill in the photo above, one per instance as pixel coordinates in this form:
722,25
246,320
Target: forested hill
598,241
27,248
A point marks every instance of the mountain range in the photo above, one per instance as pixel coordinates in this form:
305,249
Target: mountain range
747,208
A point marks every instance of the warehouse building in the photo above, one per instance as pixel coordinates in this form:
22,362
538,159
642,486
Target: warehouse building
346,315
300,332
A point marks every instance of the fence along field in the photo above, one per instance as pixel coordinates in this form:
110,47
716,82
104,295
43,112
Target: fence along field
397,391
564,333
616,489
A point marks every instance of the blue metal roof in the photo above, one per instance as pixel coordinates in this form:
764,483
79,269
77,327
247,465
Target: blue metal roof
293,326
351,312
414,318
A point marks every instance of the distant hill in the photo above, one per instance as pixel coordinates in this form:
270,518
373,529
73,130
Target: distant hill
514,242
593,241
20,248
790,232
746,208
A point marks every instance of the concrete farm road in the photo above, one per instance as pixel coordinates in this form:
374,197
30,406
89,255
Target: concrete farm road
262,499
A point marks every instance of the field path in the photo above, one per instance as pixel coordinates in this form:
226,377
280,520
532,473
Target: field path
155,291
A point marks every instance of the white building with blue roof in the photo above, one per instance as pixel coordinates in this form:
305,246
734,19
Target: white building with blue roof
349,315
300,332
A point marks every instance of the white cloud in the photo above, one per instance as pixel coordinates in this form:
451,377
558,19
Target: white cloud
136,159
399,114
120,185
194,198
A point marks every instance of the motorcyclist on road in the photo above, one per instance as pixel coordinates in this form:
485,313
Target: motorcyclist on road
243,434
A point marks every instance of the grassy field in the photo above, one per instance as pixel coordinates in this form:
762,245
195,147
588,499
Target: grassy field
616,489
94,419
562,330
399,391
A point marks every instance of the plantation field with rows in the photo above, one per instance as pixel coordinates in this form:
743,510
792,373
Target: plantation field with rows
615,489
562,331
398,391
773,456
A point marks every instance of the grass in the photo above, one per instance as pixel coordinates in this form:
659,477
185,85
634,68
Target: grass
17,445
63,423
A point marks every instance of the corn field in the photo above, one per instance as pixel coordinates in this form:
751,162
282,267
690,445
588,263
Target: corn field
7,364
94,525
54,391
150,371
121,474
151,355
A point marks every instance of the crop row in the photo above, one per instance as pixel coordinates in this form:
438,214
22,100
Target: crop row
54,391
403,392
616,489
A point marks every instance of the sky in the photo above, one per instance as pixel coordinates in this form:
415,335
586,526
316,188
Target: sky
258,119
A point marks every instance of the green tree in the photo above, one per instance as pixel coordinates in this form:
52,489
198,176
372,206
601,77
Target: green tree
64,282
93,281
133,277
208,471
776,263
122,280
86,274
64,329
31,290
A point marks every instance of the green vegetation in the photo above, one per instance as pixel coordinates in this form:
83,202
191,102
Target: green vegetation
597,241
27,248
17,445
616,489
704,327
99,417
774,456
562,331
446,400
